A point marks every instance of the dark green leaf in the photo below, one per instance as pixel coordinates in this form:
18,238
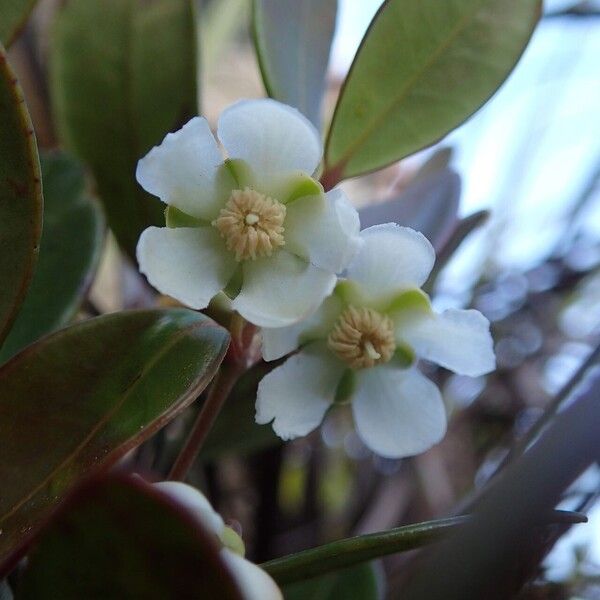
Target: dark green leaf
422,68
292,41
20,197
70,249
358,583
355,550
236,429
13,14
122,76
79,399
122,539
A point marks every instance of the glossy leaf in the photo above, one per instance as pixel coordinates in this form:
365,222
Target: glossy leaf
429,205
358,549
70,248
292,41
20,198
235,430
422,68
358,582
122,76
13,14
122,539
79,399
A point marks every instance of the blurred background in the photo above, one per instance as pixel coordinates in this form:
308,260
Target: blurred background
511,201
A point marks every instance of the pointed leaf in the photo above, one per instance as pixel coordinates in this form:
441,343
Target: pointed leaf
422,69
122,76
120,538
292,41
79,399
70,249
429,205
13,14
20,197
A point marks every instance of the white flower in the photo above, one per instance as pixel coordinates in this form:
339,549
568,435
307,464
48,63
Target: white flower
361,346
255,225
254,583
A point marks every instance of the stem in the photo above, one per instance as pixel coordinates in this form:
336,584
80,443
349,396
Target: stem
551,410
219,391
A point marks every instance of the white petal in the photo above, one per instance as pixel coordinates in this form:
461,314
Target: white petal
272,137
195,502
254,583
324,229
297,394
398,412
281,289
280,341
392,257
459,340
191,264
181,171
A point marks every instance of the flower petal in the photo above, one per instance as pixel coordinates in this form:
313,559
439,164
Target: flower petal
392,257
191,264
182,170
296,395
254,583
279,341
272,137
323,229
281,289
459,340
195,502
398,412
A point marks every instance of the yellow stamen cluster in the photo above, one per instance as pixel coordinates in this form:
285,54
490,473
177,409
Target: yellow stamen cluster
362,338
251,224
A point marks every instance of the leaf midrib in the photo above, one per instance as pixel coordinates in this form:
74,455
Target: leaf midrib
405,90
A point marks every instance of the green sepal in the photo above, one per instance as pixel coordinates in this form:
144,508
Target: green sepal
404,356
300,185
231,540
408,300
177,218
234,285
346,387
235,173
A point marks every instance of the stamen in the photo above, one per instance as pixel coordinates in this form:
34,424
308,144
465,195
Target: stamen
362,338
251,224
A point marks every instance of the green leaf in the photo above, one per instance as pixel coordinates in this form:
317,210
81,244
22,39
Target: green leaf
20,197
122,76
358,582
13,14
235,430
422,69
355,550
79,399
292,41
122,539
70,249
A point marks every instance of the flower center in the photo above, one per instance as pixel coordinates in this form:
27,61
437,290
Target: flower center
362,338
251,224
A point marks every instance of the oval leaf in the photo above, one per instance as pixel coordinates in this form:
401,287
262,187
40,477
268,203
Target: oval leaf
422,68
122,539
13,14
70,250
20,197
122,76
292,41
79,399
429,205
